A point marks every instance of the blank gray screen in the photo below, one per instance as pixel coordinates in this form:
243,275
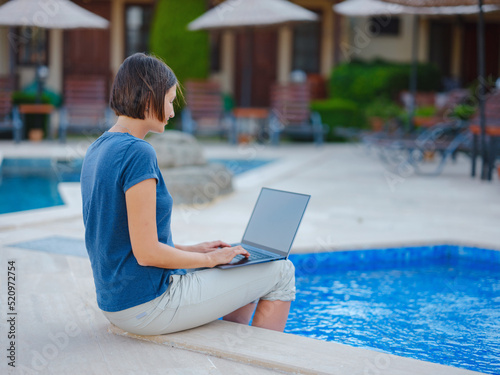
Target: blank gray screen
275,219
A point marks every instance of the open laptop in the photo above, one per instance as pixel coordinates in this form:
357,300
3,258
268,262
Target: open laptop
272,227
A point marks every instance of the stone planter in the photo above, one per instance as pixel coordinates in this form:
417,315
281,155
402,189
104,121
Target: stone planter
377,123
426,121
189,178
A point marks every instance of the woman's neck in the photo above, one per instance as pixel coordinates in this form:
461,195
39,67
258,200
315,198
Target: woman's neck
130,125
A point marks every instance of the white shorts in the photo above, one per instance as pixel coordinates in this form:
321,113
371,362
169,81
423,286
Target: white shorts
202,296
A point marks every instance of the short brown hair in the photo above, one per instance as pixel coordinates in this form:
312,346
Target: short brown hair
141,82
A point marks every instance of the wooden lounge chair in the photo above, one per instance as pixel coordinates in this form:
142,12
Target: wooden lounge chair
85,107
291,115
204,112
10,119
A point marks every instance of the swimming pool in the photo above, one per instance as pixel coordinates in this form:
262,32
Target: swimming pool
27,184
439,303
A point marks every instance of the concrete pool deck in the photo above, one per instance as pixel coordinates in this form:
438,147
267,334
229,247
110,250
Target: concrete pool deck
356,203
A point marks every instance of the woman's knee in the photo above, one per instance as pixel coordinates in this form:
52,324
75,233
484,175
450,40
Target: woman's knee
288,268
284,290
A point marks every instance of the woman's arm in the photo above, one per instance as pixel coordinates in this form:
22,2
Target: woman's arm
141,215
203,247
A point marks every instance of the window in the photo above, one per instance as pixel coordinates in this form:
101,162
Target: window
384,25
30,44
138,19
306,47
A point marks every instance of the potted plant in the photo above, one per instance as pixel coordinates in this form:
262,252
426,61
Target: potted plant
463,112
380,111
425,116
35,125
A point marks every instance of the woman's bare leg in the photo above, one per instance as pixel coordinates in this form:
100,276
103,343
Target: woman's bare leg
271,315
242,315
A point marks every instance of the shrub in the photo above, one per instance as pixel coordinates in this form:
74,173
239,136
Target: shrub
366,81
185,51
339,113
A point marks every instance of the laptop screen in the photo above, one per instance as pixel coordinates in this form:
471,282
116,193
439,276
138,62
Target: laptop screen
275,220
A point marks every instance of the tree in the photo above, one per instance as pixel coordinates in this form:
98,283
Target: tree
186,52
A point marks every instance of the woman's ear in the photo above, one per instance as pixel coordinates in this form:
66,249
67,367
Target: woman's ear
147,112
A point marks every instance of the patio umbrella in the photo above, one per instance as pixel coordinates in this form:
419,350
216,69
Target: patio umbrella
480,6
49,14
364,8
247,14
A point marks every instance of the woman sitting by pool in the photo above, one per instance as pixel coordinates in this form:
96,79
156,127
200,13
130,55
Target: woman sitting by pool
146,284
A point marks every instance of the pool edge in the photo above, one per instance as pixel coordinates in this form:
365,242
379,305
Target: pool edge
289,353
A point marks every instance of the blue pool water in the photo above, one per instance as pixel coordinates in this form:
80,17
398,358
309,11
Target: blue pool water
239,166
439,304
27,184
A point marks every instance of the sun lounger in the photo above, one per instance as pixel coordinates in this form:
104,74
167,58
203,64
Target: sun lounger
85,107
291,115
204,113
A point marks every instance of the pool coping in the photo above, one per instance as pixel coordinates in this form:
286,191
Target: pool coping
290,353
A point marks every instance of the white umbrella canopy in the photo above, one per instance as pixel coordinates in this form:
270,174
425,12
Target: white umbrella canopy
246,13
365,8
49,14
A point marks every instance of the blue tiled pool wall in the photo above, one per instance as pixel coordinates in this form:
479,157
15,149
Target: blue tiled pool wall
391,257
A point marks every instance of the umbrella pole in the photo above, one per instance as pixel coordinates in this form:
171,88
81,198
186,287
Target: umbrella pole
38,78
485,175
414,68
12,53
246,79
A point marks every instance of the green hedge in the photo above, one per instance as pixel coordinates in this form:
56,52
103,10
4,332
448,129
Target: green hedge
339,113
186,52
364,82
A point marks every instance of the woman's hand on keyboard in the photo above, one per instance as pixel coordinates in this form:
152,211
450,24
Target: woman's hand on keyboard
224,255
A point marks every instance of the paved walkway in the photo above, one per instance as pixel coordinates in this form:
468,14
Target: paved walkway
355,203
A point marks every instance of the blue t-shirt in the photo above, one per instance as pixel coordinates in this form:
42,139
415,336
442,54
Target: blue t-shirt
114,163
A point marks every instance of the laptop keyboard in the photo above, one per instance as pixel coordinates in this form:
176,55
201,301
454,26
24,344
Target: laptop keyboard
254,255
